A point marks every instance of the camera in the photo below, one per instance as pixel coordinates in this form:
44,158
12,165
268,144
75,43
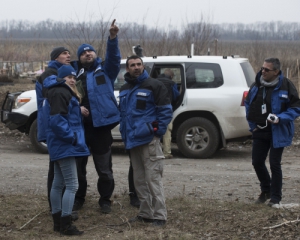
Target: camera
272,117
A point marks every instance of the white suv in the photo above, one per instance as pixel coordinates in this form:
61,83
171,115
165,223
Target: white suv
209,111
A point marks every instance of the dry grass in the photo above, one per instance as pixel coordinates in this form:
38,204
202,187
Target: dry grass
5,79
255,51
188,218
22,84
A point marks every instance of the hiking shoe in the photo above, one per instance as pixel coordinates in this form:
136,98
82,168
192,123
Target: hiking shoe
134,200
158,223
77,206
140,219
105,208
168,156
272,203
263,197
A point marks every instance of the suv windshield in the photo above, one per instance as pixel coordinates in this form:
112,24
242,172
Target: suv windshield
248,72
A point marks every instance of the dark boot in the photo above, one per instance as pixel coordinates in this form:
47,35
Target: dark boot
56,221
134,200
74,215
66,227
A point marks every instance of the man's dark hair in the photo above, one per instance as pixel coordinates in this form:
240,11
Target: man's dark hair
275,62
133,57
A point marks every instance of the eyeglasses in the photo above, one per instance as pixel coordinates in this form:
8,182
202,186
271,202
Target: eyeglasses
266,69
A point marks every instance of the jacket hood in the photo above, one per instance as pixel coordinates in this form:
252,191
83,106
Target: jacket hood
52,81
137,80
54,64
258,75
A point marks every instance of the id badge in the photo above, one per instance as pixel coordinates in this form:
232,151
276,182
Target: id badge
263,109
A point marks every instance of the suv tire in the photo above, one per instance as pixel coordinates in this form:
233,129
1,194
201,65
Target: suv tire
41,147
198,138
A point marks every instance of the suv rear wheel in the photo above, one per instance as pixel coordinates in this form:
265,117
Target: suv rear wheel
198,138
41,147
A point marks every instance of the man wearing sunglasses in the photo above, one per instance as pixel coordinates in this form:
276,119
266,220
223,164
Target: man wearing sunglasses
272,105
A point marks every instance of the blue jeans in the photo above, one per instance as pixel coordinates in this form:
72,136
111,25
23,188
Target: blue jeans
262,144
65,175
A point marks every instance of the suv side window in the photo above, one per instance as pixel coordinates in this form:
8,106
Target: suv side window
203,75
177,69
120,81
248,72
161,69
178,78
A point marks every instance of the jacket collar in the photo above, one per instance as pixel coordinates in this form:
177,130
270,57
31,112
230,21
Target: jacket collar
96,64
137,80
54,64
258,75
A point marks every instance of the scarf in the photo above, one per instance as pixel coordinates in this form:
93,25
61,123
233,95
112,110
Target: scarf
269,84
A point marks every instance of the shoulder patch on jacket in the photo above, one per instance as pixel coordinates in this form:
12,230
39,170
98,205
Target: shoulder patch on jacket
283,94
141,94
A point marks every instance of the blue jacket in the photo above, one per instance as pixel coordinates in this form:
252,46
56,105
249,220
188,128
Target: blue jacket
99,81
63,121
285,104
53,66
143,100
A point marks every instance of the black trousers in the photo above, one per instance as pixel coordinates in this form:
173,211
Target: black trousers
99,140
50,180
130,178
262,145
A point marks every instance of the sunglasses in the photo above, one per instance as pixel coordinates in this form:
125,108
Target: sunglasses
266,69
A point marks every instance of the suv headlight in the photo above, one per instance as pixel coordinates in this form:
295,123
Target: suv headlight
20,101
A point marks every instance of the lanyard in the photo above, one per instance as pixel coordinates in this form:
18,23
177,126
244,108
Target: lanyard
264,94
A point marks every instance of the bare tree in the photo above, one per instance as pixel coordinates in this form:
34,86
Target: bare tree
91,32
201,33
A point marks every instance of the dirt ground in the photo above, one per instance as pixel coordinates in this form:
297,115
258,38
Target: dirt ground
197,191
226,177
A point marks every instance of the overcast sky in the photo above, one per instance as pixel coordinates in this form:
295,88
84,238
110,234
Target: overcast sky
162,13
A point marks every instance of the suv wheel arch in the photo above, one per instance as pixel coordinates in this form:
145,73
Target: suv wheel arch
41,147
198,137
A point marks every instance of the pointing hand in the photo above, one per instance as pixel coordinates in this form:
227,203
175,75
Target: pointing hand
113,30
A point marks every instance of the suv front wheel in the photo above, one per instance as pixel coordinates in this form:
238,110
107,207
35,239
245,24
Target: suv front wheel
41,147
198,138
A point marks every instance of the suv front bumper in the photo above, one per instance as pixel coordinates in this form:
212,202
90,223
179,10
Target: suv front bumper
12,120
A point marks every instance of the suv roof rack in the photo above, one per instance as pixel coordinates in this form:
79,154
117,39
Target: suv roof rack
233,56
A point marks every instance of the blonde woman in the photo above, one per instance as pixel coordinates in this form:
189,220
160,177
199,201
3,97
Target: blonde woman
65,140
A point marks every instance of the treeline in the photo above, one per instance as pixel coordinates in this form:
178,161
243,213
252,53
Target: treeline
50,29
260,31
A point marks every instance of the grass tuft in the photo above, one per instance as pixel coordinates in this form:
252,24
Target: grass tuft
188,218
